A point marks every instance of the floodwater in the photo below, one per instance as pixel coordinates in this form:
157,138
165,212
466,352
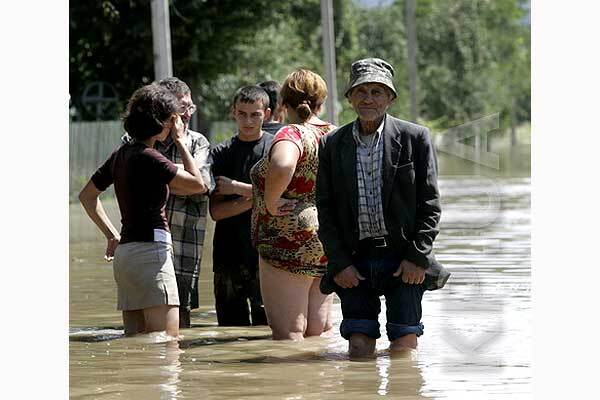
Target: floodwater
477,341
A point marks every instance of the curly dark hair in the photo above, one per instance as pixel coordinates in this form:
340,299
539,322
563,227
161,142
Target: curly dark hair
148,108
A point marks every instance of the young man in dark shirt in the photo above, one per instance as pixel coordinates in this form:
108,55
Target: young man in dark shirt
235,261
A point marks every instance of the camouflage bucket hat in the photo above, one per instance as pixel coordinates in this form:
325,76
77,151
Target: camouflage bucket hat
371,70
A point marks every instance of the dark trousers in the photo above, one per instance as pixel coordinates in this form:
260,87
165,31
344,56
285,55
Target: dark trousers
188,292
361,304
237,296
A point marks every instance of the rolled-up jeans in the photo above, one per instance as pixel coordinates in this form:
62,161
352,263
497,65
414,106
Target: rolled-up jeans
361,304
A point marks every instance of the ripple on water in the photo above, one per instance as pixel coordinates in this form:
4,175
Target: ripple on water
477,340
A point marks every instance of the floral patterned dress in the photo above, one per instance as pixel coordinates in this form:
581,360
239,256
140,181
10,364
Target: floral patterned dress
290,242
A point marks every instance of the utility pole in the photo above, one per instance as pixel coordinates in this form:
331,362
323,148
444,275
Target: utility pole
329,58
412,47
161,39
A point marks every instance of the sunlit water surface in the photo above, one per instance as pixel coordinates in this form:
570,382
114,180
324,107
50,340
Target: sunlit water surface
477,341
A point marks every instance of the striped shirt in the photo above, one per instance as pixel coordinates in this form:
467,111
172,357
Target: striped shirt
369,170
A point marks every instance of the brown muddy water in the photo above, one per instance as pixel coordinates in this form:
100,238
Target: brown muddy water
477,341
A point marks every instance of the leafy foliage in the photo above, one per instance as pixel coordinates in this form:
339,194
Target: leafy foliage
473,58
112,42
473,55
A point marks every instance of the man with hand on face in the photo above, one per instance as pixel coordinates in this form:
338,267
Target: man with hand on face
187,214
378,207
235,260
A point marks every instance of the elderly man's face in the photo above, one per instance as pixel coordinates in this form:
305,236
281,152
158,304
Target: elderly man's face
187,108
370,101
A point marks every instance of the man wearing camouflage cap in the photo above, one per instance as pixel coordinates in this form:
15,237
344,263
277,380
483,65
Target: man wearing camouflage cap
378,206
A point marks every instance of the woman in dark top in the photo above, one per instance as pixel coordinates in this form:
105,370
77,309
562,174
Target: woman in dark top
142,251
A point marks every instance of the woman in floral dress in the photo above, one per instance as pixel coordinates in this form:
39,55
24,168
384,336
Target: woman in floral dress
284,215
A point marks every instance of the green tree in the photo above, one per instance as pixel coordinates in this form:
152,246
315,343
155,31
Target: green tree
473,54
109,41
112,41
472,58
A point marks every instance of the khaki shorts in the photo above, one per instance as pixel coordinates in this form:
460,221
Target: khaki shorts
145,275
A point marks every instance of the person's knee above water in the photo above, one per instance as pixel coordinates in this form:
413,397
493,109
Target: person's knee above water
143,265
235,261
284,216
378,206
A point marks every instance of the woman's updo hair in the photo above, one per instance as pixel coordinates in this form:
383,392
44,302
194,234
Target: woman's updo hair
148,108
304,91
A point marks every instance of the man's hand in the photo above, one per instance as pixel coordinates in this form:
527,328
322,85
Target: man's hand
411,272
111,245
225,186
177,129
283,207
349,277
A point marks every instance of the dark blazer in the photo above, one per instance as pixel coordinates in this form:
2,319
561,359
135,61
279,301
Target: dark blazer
411,203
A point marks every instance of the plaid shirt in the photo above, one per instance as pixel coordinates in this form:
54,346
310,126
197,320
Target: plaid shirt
187,214
369,169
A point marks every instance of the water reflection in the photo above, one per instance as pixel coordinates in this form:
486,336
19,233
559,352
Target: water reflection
477,330
114,368
169,370
398,377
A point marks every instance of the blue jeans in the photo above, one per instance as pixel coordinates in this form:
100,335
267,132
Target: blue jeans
361,305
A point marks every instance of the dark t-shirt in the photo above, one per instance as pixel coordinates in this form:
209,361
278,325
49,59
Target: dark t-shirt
272,127
141,176
234,159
